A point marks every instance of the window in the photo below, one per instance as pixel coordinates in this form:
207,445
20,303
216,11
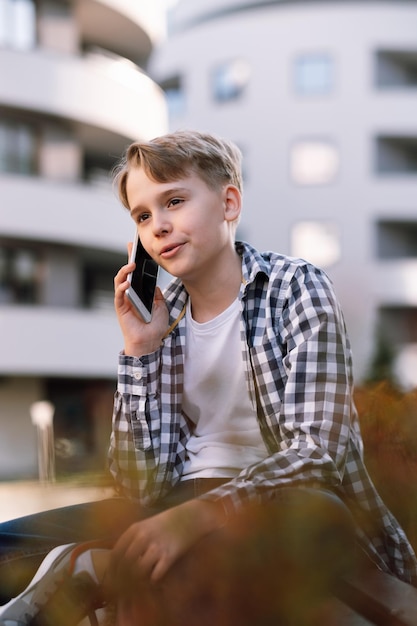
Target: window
18,148
17,24
396,155
81,430
396,68
175,96
98,290
399,324
19,275
317,242
396,239
97,272
313,74
313,162
230,79
97,168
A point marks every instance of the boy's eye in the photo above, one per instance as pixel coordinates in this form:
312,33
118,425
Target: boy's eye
142,217
174,201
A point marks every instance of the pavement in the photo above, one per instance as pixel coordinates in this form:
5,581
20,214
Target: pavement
19,498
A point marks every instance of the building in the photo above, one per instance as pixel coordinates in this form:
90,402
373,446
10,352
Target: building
74,93
321,96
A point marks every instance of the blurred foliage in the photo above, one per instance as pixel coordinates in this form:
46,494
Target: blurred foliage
388,419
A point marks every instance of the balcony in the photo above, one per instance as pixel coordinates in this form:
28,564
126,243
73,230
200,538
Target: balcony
191,12
95,91
65,213
44,341
130,27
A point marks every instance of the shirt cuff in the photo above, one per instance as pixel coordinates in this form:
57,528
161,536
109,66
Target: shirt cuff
132,374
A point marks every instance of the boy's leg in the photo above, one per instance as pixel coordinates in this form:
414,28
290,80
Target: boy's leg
24,542
67,545
271,564
48,540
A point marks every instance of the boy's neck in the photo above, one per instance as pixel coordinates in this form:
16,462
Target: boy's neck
214,295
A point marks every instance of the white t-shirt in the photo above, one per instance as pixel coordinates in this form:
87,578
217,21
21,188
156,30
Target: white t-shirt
226,437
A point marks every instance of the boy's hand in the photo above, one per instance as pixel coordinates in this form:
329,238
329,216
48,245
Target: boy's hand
148,548
139,337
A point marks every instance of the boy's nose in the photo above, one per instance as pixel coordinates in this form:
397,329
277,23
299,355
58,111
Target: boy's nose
161,226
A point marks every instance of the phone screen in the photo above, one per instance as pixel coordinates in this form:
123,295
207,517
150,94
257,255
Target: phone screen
142,280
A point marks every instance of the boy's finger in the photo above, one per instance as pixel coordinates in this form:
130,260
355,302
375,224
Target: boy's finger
158,294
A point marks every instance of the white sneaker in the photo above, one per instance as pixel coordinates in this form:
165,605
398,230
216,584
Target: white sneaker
55,596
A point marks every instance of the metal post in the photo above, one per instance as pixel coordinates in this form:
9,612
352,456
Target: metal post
42,414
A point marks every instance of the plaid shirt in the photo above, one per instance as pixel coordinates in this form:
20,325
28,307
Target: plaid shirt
295,346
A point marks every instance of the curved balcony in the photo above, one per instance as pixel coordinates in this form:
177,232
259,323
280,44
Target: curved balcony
95,90
43,210
59,342
133,28
190,12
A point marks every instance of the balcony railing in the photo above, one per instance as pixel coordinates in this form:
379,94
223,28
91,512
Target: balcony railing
59,342
65,213
101,92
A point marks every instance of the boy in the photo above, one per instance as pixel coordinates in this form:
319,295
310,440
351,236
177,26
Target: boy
237,393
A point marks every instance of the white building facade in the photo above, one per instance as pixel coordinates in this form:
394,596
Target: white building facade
74,93
321,96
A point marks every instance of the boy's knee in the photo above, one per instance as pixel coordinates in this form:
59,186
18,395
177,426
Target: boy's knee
277,555
318,527
303,529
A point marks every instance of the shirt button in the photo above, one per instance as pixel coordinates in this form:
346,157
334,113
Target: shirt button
137,376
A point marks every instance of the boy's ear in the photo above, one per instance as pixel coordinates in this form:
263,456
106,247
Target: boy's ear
232,203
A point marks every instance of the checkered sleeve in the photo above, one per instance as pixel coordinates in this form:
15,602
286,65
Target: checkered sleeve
149,430
134,439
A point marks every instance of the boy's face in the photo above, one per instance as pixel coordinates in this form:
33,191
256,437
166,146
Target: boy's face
184,225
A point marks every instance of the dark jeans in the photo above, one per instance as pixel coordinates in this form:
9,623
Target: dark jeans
24,542
300,542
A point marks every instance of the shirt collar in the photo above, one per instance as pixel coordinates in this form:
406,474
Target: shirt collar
253,263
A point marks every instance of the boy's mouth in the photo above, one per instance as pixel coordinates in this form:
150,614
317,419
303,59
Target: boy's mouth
169,251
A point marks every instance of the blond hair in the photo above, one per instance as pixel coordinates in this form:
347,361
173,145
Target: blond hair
176,155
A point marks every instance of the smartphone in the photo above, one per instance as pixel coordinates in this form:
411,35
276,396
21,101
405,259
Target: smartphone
143,280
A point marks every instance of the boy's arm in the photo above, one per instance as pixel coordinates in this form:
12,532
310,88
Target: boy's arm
143,460
131,456
135,441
